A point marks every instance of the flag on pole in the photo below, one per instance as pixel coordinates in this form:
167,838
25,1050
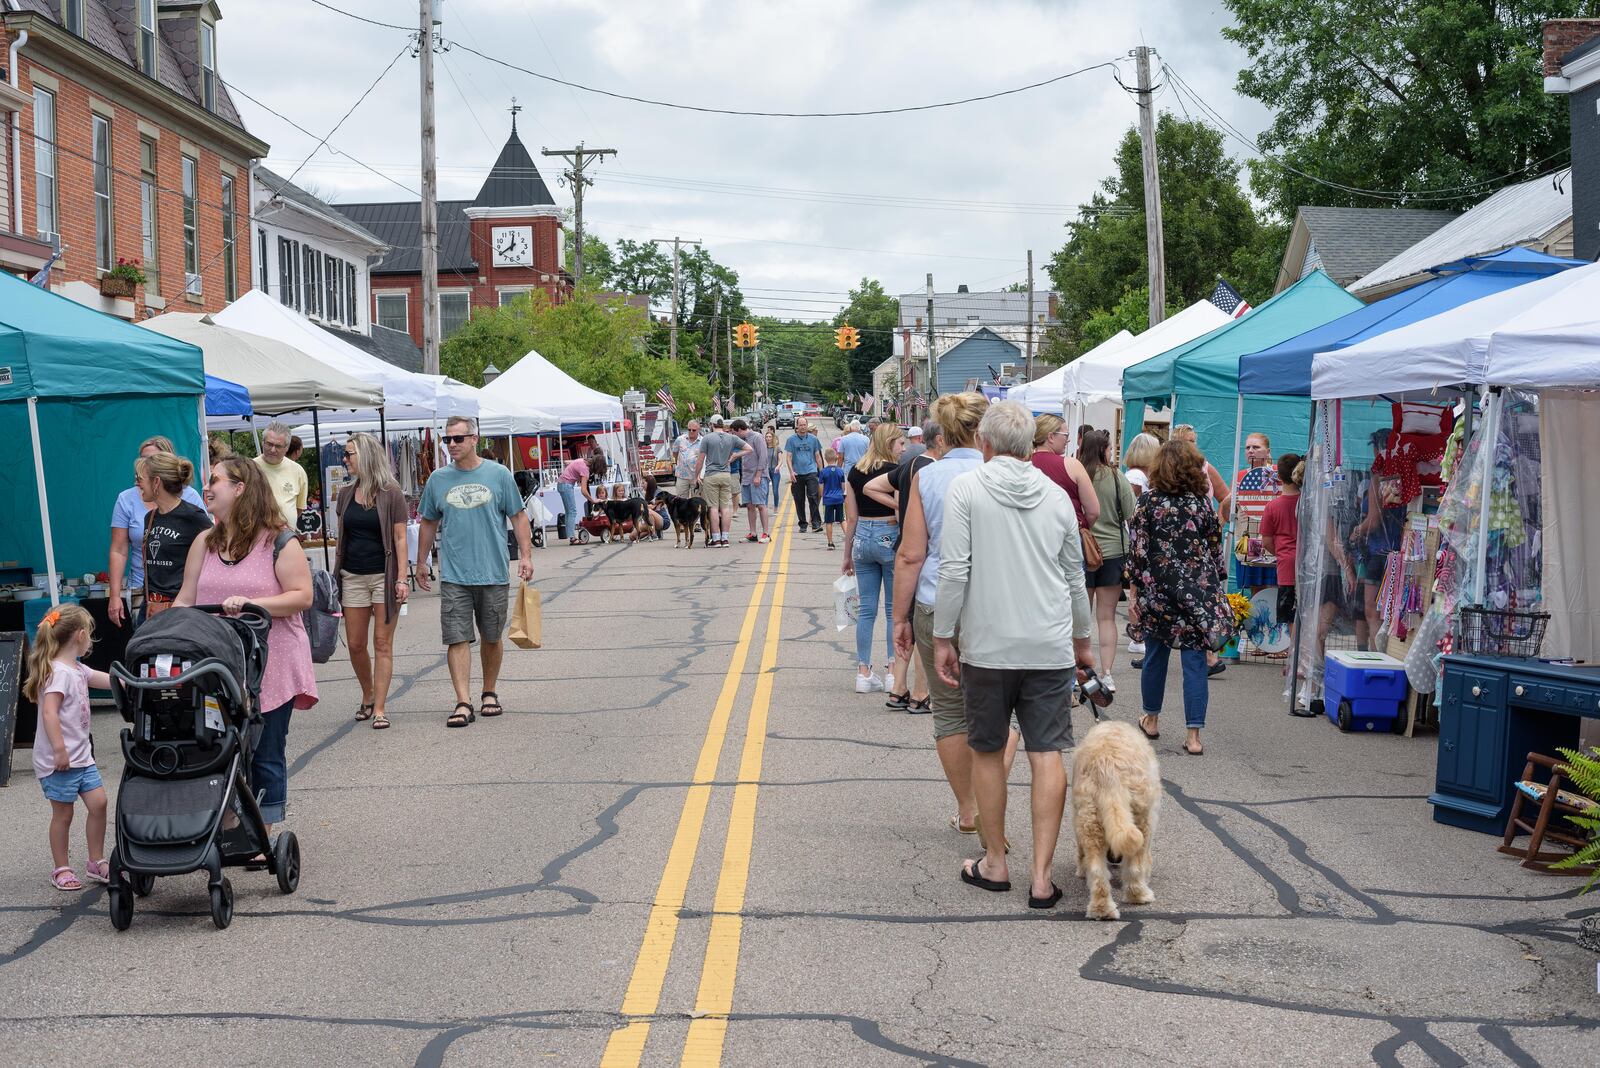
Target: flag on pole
1228,299
664,395
42,277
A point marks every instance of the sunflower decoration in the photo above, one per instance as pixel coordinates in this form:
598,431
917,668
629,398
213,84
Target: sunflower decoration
1241,606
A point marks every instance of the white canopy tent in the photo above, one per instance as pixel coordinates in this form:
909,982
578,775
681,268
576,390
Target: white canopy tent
1099,372
278,376
535,380
1047,394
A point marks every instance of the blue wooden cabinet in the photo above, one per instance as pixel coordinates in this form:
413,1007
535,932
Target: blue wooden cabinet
1493,712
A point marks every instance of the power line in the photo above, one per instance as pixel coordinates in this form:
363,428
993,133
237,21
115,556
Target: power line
366,93
363,18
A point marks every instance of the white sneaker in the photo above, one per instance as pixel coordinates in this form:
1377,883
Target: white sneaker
1137,648
1105,680
888,680
868,683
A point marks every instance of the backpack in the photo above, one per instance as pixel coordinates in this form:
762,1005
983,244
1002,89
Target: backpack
322,618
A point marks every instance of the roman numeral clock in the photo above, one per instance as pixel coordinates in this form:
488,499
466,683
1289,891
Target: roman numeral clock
513,246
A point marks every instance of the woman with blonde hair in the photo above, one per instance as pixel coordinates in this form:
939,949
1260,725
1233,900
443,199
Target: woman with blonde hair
1049,446
371,568
773,455
869,532
1138,459
251,557
170,527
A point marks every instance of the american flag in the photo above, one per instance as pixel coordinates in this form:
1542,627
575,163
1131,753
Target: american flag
664,395
42,277
1228,299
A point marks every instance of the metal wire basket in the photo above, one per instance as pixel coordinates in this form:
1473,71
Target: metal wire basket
1500,632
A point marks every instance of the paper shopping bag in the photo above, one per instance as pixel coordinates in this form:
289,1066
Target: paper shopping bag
526,619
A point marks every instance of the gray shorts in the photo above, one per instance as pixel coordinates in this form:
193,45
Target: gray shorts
1041,701
460,605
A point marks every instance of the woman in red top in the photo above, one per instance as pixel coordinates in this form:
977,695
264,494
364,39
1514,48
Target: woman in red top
1049,446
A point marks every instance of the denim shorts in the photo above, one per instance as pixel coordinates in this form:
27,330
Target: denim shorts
65,786
750,493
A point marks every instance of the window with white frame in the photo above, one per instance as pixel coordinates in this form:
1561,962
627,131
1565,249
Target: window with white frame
46,218
332,278
261,260
191,226
72,16
311,283
147,37
455,308
230,284
208,66
149,226
393,313
104,246
350,295
510,296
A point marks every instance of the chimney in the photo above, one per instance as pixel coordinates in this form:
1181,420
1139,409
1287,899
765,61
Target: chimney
961,288
1572,68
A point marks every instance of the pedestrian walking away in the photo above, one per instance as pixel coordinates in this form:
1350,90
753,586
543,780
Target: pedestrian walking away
285,477
170,527
1049,448
774,463
252,557
869,535
1138,459
467,504
895,488
852,445
1011,581
1178,570
125,565
371,568
916,443
804,452
719,485
1110,532
832,477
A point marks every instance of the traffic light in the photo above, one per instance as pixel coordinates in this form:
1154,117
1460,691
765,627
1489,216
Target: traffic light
847,337
746,336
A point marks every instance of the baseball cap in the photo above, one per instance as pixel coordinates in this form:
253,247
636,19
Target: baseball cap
914,432
716,420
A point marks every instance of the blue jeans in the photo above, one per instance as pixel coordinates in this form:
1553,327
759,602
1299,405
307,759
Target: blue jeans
1153,681
772,476
872,553
569,504
269,768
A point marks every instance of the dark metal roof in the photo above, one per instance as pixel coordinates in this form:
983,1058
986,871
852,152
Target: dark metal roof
1351,242
514,180
400,227
391,346
287,190
1582,50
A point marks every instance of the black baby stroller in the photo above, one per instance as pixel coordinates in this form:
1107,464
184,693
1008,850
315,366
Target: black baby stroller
190,686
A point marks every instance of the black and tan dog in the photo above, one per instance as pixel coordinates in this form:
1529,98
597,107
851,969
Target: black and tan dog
685,513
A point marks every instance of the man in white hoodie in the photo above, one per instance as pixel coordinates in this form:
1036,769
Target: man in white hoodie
1011,580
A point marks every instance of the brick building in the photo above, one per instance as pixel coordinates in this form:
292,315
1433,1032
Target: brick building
123,143
1572,67
504,243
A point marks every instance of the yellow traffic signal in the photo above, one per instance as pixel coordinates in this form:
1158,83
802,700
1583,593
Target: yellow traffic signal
746,336
847,337
754,334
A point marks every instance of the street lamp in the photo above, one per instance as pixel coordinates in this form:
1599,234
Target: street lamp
490,373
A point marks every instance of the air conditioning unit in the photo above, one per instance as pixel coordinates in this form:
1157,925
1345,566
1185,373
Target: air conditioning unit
191,284
1007,370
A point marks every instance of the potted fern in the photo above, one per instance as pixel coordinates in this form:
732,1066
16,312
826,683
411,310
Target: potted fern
1583,769
122,279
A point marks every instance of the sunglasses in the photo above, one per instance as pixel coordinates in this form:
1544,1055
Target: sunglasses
455,439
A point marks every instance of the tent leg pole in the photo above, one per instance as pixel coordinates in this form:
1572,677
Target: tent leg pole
44,500
202,471
256,433
1491,431
322,488
383,428
1299,631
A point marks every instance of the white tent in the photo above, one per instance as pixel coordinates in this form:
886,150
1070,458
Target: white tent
1046,394
406,395
279,377
1540,335
535,380
1099,372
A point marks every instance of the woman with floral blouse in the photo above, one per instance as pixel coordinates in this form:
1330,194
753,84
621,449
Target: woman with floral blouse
1177,568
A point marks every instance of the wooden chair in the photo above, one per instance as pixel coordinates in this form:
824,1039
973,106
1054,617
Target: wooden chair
1541,828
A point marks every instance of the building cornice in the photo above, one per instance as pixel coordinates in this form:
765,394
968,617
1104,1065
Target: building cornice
1577,75
539,211
45,36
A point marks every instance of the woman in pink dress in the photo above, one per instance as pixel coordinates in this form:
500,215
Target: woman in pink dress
238,562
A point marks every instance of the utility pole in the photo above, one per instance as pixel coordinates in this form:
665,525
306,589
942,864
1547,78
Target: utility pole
730,356
1155,248
933,383
430,199
1030,315
579,157
676,242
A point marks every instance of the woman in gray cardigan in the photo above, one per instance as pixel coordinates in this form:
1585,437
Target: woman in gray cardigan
372,550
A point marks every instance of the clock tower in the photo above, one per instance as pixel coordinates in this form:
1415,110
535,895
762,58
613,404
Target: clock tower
516,232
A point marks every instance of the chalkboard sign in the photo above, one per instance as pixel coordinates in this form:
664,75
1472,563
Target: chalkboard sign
11,645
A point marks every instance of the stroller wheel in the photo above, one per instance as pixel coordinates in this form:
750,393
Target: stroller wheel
143,884
538,539
222,904
121,902
286,858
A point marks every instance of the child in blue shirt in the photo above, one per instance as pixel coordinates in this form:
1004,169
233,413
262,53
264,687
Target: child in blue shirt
832,479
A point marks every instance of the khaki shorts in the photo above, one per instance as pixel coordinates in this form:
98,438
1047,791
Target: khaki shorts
949,706
360,591
460,606
720,490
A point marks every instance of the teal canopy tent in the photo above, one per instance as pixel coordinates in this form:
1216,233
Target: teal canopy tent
81,389
1201,379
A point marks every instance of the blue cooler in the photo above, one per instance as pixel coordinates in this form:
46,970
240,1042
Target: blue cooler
1363,691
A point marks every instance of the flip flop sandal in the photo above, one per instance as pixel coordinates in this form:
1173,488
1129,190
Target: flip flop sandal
363,713
955,825
380,722
1045,902
65,879
98,872
1193,752
459,718
489,700
1146,733
973,877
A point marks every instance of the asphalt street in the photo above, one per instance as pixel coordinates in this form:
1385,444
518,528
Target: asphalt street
689,841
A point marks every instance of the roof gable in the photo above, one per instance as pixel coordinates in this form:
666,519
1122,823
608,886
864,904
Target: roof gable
1349,242
514,180
278,187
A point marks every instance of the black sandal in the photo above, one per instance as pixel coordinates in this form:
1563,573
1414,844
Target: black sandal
459,718
364,713
1049,902
488,700
1148,734
973,877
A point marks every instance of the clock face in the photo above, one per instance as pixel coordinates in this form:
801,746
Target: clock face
513,246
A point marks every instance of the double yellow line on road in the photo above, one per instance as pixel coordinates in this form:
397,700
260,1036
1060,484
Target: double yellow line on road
625,1048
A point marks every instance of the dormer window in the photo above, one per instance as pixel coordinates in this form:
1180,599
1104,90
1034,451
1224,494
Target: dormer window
72,16
147,37
208,66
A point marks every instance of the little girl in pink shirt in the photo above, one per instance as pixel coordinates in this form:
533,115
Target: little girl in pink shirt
63,753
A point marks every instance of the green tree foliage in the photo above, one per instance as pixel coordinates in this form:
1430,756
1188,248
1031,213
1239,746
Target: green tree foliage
791,350
1406,95
1209,226
876,314
601,343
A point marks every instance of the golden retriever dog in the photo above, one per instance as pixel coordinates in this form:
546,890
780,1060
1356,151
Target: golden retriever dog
1116,790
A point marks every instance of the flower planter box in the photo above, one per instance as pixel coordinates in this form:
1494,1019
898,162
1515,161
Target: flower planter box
111,286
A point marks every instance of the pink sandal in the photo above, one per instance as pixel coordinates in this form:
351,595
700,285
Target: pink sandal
98,871
65,879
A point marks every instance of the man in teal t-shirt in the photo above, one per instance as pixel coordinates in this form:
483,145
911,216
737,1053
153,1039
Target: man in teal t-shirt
805,458
471,500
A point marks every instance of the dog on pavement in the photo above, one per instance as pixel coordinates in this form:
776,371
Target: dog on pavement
685,513
1116,792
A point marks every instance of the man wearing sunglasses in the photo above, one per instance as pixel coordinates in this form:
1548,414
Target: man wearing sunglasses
286,477
470,501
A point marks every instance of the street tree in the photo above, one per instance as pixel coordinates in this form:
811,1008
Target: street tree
876,314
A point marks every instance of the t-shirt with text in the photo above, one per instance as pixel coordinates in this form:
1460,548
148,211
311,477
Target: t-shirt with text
471,508
167,537
129,514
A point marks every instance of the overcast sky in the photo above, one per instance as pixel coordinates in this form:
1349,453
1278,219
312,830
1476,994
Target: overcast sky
969,189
